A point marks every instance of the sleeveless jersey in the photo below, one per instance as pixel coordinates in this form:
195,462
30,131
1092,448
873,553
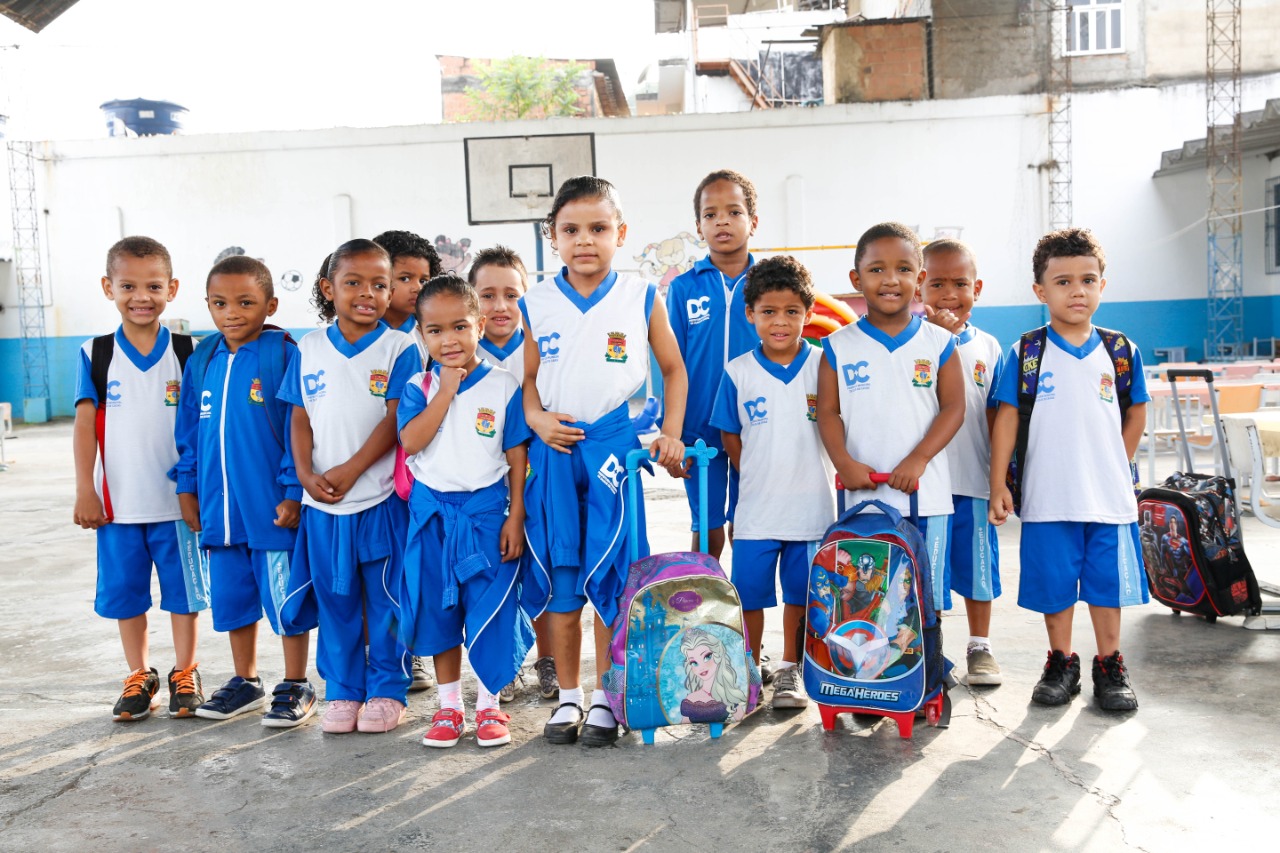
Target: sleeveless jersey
593,352
969,453
888,401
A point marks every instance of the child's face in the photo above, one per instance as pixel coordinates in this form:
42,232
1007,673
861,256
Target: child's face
951,282
408,275
141,288
723,220
889,277
587,235
360,291
499,289
450,330
239,308
1072,289
779,317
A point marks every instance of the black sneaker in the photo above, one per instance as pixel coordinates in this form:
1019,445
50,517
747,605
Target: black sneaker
292,703
186,694
135,702
1059,681
237,696
1111,684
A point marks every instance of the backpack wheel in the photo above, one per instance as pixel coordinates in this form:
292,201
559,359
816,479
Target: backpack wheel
1176,612
1211,619
717,729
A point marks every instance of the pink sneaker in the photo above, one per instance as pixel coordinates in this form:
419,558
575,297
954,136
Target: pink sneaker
381,715
491,727
340,716
447,727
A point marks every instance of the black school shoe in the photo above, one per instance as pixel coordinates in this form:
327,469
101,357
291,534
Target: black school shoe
599,735
1111,686
1059,681
562,733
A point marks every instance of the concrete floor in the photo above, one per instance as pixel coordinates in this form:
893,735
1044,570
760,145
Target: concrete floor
1193,767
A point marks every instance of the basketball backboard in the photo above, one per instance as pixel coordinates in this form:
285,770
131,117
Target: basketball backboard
514,178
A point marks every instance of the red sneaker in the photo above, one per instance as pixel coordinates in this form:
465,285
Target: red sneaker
491,727
447,727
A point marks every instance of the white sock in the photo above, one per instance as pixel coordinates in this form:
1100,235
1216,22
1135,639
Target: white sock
484,699
983,642
599,716
568,715
786,664
451,695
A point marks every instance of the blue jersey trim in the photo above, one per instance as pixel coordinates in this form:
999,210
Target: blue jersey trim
830,353
890,342
585,303
352,350
513,344
947,351
140,361
406,326
649,295
1092,343
480,372
778,371
967,334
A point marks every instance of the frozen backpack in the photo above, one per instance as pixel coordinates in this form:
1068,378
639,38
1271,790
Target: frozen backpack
680,652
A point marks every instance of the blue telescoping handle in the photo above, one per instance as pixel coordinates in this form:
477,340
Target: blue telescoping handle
878,478
702,456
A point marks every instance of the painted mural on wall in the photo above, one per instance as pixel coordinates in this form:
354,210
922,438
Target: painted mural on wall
455,256
662,261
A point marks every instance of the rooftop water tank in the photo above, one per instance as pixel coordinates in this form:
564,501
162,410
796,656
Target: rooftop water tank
142,117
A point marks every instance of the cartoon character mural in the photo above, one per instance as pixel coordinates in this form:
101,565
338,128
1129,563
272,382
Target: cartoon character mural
662,261
714,693
454,256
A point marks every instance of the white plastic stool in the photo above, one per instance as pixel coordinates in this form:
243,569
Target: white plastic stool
6,419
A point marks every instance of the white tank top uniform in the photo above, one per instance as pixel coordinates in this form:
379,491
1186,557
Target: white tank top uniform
510,357
888,401
969,453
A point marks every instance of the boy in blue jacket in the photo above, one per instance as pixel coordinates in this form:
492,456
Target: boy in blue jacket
238,489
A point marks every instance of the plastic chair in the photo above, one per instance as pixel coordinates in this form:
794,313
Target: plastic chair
1232,400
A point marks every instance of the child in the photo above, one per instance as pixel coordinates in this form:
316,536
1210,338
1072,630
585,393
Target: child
464,438
765,410
344,383
1080,537
588,334
500,280
122,485
709,318
890,395
238,489
951,287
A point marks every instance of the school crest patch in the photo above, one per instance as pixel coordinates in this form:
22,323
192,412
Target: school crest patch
980,374
172,390
255,392
812,401
922,377
1105,387
378,382
616,351
486,423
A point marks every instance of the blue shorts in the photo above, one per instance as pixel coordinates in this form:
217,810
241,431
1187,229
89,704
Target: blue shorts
936,530
717,492
567,595
975,552
126,553
758,564
1068,561
244,583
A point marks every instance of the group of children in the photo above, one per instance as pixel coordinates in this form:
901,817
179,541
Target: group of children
440,468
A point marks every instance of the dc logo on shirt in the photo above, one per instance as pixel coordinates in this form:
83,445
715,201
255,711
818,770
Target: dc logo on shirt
611,473
255,393
378,382
922,376
1045,388
855,375
699,310
113,393
486,423
206,408
172,389
811,406
616,350
548,350
757,414
313,385
980,374
1104,389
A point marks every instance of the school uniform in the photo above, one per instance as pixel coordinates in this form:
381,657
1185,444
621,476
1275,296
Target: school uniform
131,478
347,565
510,357
1079,515
593,356
787,500
410,327
708,317
457,589
234,453
888,401
974,569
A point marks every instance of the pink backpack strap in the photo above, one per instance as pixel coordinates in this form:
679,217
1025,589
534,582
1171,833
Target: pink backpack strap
403,476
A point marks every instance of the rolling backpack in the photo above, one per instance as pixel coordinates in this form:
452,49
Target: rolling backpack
873,642
680,652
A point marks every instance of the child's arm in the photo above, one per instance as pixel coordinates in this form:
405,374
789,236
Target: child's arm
1135,421
289,510
88,511
303,442
549,426
1003,436
667,448
732,442
185,435
379,443
511,539
950,388
416,435
853,474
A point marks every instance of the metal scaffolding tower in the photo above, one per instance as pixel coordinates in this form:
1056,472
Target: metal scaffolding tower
1222,153
26,262
1058,82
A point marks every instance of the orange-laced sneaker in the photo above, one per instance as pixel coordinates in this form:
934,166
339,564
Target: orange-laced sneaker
186,693
135,702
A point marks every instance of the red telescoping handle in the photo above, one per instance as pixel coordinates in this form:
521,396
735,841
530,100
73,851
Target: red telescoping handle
876,477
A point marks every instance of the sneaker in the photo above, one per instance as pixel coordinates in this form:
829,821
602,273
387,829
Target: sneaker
1111,684
767,672
233,698
491,728
548,684
788,691
422,677
186,693
292,704
983,669
508,693
340,716
135,702
446,729
381,714
1059,681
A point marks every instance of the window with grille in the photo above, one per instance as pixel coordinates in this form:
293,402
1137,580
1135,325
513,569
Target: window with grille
1095,26
1271,200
